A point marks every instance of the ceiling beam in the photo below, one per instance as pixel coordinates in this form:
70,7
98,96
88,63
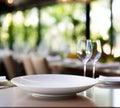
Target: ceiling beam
24,4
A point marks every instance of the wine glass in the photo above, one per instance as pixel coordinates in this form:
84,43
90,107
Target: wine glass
96,53
84,52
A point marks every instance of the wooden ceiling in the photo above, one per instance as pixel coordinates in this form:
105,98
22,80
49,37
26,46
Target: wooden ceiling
5,6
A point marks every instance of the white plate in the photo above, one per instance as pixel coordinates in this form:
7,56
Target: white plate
54,84
109,80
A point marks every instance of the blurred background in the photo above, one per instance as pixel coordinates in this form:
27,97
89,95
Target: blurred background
54,26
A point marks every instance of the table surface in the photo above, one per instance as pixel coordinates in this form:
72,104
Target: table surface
98,96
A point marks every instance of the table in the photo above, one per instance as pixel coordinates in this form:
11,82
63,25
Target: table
75,67
97,96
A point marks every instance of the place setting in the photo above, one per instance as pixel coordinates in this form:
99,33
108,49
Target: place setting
4,83
108,81
54,85
90,50
61,85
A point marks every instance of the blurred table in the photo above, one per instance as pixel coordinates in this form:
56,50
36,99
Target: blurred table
97,96
75,67
72,66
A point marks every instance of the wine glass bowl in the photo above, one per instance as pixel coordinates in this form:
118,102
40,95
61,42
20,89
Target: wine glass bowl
84,52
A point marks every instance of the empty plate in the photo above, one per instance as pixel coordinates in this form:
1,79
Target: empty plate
54,84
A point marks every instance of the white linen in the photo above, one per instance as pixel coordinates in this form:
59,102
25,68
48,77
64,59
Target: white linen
110,79
3,78
108,65
53,58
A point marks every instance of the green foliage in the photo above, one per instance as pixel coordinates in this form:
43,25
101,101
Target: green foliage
11,37
70,15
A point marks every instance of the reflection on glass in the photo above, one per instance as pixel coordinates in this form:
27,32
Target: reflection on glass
96,53
84,52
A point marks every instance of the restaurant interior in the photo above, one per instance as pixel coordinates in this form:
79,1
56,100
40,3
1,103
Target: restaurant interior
41,37
51,29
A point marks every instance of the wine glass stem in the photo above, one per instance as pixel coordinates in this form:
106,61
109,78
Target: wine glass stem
94,70
84,69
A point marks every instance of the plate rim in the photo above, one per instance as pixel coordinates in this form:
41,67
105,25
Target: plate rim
79,88
13,79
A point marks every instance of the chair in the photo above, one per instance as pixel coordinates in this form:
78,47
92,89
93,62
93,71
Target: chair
12,67
41,65
27,63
